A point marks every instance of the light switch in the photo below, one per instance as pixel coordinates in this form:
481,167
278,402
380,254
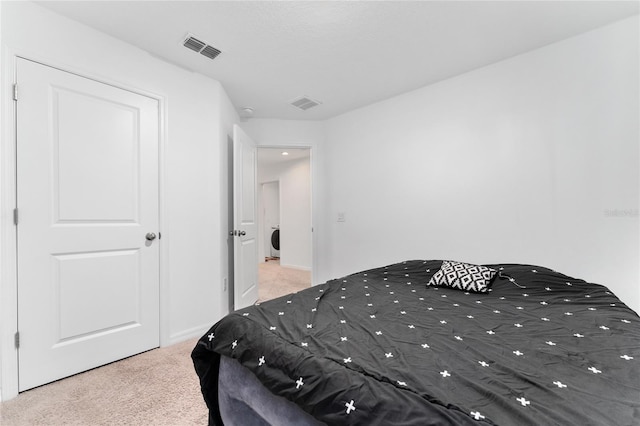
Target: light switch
341,217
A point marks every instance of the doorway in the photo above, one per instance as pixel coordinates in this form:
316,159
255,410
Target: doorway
284,220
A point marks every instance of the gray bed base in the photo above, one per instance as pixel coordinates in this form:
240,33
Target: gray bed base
244,401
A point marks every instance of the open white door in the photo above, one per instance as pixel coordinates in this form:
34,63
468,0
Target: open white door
245,220
87,195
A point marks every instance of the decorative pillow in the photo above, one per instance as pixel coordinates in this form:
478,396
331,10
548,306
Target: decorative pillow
463,276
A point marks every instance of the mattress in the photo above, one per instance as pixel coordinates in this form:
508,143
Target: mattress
382,347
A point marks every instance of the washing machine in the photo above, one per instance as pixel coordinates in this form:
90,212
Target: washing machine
275,241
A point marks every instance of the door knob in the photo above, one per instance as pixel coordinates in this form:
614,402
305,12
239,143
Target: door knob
150,236
242,233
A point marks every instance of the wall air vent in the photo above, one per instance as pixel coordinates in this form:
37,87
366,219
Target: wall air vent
304,103
201,47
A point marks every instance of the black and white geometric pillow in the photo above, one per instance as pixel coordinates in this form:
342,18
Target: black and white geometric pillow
463,276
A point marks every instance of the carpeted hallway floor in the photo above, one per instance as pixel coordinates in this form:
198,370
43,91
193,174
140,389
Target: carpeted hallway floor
275,280
158,387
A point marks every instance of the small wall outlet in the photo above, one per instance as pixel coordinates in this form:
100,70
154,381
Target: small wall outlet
341,217
225,281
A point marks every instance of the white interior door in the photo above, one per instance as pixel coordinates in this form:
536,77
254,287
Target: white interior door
87,194
245,223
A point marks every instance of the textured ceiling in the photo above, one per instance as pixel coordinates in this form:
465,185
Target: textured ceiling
345,54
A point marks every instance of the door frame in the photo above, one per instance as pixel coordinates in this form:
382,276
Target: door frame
8,231
314,205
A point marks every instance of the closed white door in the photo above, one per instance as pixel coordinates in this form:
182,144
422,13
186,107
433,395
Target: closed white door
245,224
87,195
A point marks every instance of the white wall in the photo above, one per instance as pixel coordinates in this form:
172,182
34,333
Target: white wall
523,161
197,117
295,216
294,178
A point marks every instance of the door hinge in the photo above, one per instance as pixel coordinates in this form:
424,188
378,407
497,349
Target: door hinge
15,91
16,339
15,216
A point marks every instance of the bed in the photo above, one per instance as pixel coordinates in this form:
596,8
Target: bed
378,347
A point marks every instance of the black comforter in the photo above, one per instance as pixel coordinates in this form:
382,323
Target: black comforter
380,347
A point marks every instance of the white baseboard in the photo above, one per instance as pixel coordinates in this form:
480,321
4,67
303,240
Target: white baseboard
301,268
190,333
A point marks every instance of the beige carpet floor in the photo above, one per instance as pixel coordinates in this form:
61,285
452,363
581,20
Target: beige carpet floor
275,280
158,387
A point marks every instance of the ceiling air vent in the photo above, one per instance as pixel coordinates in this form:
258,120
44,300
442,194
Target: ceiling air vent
201,47
304,103
210,52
